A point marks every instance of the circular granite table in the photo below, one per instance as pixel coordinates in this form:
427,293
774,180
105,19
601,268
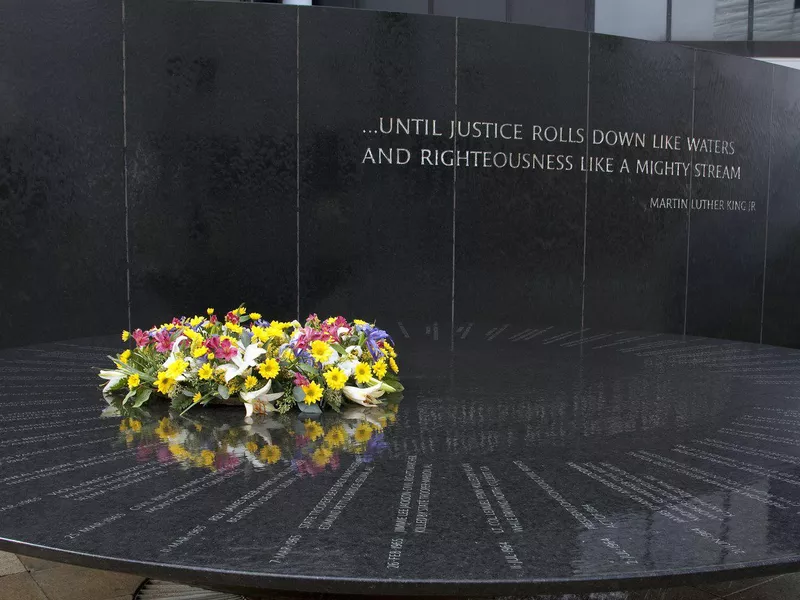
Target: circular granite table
523,460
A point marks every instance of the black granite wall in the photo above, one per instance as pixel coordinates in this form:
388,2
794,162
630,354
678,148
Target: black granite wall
158,157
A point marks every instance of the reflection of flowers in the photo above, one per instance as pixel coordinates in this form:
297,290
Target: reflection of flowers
221,441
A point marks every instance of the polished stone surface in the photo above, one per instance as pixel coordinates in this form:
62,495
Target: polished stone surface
373,234
211,156
636,254
528,459
519,231
725,287
62,202
781,325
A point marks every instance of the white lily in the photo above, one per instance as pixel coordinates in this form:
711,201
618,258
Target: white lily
362,414
364,396
334,356
176,344
113,377
348,367
261,427
260,400
242,361
354,351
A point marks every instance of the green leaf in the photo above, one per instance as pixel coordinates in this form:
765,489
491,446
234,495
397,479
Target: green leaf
142,397
299,394
128,396
307,369
393,383
223,392
312,409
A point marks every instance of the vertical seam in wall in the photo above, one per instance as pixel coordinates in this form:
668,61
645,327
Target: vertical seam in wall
769,194
691,197
125,165
297,157
455,168
751,11
669,21
586,175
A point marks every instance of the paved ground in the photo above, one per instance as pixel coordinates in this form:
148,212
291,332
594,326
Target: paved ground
24,578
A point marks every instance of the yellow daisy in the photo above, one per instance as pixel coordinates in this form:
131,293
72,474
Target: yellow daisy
254,316
320,351
165,383
313,392
165,429
363,432
321,456
133,381
269,368
336,436
126,335
313,430
177,368
250,382
335,378
205,372
196,398
379,368
123,358
270,454
207,457
251,447
363,373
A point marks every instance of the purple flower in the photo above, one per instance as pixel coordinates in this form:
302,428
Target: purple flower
373,337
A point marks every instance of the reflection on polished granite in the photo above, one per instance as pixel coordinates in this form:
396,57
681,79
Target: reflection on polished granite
524,460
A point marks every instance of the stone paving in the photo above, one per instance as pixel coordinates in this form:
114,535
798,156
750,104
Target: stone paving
25,578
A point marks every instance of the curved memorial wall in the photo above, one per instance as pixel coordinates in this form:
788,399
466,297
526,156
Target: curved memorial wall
561,207
304,160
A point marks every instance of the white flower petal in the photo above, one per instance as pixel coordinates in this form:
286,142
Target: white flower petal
351,350
252,353
363,396
252,395
231,371
177,342
348,367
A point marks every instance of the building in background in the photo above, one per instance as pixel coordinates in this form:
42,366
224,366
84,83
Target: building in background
764,29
